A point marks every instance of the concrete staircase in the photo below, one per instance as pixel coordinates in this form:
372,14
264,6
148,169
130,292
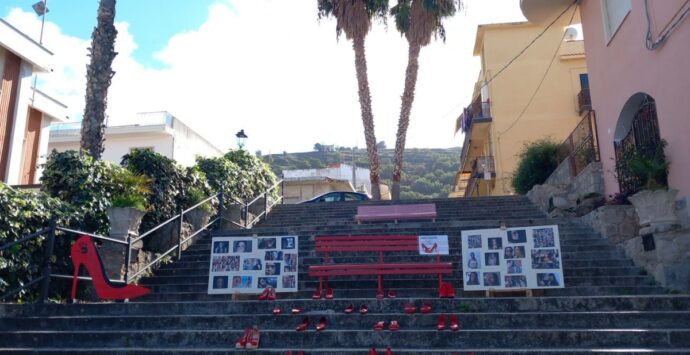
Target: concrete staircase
608,305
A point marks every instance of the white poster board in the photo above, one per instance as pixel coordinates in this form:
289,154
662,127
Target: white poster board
433,244
250,264
515,258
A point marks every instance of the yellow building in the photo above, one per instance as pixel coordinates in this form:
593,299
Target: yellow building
535,97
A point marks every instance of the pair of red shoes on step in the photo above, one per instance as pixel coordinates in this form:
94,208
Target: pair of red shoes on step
454,323
446,290
363,309
289,352
268,294
321,325
278,311
250,339
393,326
372,351
380,295
410,308
318,292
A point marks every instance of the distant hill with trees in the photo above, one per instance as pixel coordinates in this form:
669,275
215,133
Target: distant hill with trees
427,173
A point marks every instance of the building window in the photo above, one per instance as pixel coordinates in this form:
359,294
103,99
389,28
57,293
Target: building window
613,13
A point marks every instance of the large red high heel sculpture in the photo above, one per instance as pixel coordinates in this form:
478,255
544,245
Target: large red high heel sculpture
84,253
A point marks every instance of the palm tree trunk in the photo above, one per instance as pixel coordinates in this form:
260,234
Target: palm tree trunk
404,121
98,77
367,116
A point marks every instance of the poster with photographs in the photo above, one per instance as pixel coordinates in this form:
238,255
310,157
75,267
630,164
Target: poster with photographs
515,258
250,264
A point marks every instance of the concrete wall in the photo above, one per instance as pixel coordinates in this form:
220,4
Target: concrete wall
623,67
188,145
117,147
553,111
342,172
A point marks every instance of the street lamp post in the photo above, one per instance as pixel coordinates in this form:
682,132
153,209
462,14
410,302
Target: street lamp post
241,138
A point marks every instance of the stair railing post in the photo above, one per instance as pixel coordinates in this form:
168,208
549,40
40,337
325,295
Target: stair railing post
282,191
128,257
179,235
266,205
246,215
48,254
220,208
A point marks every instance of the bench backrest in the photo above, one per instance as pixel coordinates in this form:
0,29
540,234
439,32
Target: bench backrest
386,210
366,243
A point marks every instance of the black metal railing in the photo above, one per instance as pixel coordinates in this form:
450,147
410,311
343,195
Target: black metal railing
582,146
51,231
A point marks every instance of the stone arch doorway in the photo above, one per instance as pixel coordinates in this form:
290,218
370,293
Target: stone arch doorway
637,132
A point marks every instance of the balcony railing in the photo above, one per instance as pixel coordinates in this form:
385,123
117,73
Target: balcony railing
581,147
584,101
478,112
481,167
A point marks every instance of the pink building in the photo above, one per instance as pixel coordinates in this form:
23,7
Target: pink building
638,59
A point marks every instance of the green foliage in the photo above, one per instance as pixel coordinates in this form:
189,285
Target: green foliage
242,175
427,173
649,166
87,184
196,195
537,161
23,213
130,190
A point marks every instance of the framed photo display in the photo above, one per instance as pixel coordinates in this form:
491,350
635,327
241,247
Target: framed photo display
515,258
250,264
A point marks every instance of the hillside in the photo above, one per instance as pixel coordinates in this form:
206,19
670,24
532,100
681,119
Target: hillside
427,173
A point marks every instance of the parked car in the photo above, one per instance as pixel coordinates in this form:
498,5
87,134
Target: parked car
339,196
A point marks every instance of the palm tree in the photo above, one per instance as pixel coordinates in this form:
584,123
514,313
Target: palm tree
98,76
418,21
353,17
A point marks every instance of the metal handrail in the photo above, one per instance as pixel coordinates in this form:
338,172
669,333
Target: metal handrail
117,241
31,236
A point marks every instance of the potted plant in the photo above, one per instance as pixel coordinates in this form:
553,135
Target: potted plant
128,202
655,204
200,215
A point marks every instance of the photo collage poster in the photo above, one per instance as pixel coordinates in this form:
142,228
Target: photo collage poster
250,264
515,258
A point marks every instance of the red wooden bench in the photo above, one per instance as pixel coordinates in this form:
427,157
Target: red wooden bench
381,244
396,212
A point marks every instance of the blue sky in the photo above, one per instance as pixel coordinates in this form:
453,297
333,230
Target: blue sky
152,22
265,66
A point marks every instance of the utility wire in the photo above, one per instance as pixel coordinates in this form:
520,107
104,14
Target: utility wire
510,62
543,78
650,43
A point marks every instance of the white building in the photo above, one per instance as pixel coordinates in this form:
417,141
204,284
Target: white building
359,178
159,131
25,113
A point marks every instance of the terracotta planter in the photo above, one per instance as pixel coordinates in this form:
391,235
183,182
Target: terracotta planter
124,220
655,207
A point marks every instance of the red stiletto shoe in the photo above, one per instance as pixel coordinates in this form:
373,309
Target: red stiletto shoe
253,340
454,323
425,308
84,253
379,295
379,325
349,309
271,294
304,325
372,351
288,352
329,293
363,309
442,293
241,343
410,308
277,311
441,322
389,351
296,310
392,294
450,291
321,325
316,295
394,325
264,295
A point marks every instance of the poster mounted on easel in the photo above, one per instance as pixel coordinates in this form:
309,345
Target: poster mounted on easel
250,264
515,258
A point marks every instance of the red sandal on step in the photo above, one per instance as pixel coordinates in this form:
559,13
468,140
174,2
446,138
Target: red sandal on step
241,343
253,340
84,253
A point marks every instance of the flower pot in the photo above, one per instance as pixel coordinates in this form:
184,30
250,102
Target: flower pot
124,220
655,207
198,218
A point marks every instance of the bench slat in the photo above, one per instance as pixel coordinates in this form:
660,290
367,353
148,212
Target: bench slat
381,269
396,212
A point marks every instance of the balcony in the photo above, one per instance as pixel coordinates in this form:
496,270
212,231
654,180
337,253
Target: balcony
584,101
538,11
483,168
478,112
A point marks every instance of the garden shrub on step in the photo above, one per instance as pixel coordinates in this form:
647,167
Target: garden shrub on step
537,160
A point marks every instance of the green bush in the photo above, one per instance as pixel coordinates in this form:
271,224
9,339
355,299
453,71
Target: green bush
537,160
242,175
23,213
130,190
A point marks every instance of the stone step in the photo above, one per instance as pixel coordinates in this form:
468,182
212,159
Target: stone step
537,338
337,320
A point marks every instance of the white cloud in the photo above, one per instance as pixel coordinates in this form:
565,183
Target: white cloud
270,68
